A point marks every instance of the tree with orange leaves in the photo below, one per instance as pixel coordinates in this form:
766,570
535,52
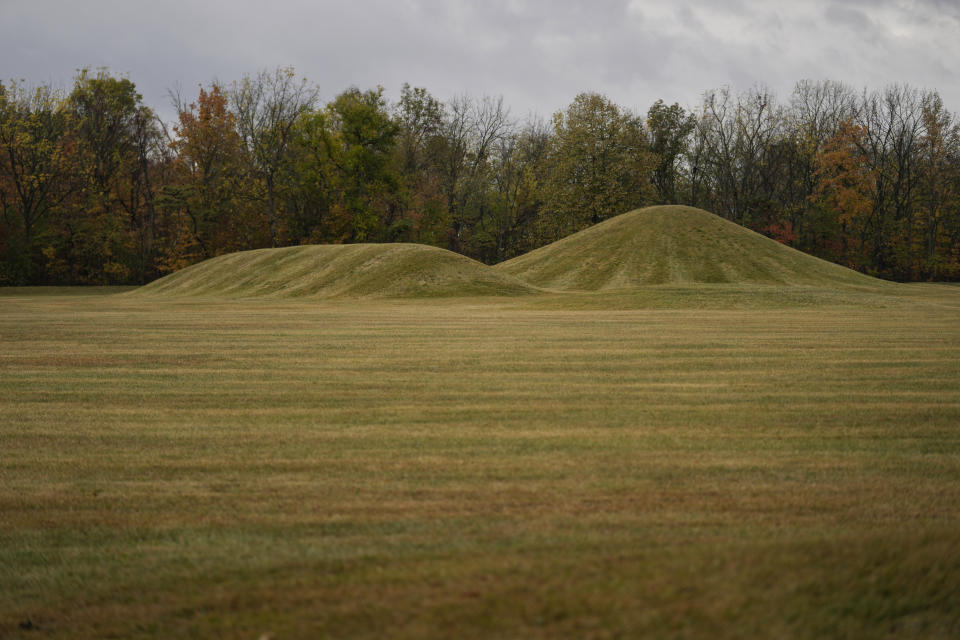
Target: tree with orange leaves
205,204
844,194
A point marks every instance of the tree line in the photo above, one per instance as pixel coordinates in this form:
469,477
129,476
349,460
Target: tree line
96,189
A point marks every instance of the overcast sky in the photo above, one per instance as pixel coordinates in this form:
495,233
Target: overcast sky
537,54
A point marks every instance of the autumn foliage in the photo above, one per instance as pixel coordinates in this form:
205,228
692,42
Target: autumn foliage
843,194
96,189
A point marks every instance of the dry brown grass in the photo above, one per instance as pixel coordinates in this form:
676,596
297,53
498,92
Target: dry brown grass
479,469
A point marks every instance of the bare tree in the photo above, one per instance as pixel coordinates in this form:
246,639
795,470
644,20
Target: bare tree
893,123
267,106
517,169
471,129
736,134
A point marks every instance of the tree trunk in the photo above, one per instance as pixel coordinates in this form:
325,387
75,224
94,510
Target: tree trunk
272,211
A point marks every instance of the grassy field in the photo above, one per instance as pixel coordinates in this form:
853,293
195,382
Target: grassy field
678,462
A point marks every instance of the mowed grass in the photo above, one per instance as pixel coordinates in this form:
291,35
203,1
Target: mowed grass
683,251
395,270
675,245
506,467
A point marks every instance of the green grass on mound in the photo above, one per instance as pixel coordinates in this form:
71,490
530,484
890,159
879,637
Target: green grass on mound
674,245
671,246
328,271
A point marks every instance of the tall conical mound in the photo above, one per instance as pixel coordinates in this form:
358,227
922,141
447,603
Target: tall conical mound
327,271
673,245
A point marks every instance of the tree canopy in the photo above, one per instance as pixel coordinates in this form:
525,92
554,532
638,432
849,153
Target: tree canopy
96,189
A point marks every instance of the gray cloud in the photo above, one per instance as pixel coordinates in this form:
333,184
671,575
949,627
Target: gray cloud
537,53
851,17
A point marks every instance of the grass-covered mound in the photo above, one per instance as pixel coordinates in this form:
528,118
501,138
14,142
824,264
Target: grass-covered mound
327,271
673,245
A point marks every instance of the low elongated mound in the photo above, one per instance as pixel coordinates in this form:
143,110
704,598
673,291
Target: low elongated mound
673,245
328,271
